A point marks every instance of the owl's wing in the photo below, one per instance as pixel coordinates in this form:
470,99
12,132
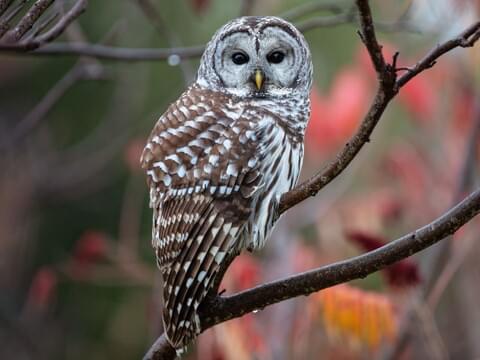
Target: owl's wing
202,164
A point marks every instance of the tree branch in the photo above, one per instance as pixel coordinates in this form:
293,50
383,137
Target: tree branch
221,309
442,262
465,39
218,309
26,23
386,91
226,308
12,40
4,4
118,53
155,54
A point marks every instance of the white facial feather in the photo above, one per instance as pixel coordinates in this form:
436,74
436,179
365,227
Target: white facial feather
257,38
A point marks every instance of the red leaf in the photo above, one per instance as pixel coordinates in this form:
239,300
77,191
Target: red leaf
406,165
43,287
91,247
244,272
403,273
335,117
420,97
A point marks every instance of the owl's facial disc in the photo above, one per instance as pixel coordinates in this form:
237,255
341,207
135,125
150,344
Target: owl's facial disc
258,63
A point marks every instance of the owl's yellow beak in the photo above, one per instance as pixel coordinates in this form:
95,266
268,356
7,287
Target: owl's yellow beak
259,78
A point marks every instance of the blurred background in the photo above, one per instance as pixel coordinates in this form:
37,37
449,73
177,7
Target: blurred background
77,275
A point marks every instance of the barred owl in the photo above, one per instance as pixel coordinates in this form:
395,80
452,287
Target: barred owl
220,157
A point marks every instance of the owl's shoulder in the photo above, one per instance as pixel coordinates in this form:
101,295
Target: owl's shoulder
204,140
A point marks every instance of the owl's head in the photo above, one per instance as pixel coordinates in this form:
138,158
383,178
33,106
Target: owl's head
257,57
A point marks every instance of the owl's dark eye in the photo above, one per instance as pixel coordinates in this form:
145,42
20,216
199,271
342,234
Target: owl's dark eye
240,58
275,57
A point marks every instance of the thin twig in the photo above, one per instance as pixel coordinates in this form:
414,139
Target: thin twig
183,53
118,53
5,23
76,10
384,94
12,42
27,21
465,39
37,29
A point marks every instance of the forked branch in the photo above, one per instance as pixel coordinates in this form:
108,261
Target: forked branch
385,93
219,309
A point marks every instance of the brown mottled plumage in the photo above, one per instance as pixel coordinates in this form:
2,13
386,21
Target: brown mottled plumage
220,157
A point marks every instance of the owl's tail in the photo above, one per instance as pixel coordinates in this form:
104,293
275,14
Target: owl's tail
190,277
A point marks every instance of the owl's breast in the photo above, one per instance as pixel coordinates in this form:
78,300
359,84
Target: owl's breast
280,159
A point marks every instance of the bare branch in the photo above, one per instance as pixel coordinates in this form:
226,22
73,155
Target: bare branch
79,7
465,39
225,308
161,350
442,264
12,40
4,4
152,54
5,23
221,309
367,34
218,309
387,90
118,53
27,21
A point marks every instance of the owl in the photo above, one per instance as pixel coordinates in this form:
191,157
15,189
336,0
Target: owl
220,157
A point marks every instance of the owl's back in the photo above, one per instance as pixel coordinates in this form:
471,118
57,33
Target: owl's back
216,165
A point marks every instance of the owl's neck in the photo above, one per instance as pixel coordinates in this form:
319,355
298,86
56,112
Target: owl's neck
292,108
292,111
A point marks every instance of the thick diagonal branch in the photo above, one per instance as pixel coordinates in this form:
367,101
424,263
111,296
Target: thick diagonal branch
219,309
226,308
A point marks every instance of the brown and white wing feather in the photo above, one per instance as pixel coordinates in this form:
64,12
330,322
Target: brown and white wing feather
201,162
